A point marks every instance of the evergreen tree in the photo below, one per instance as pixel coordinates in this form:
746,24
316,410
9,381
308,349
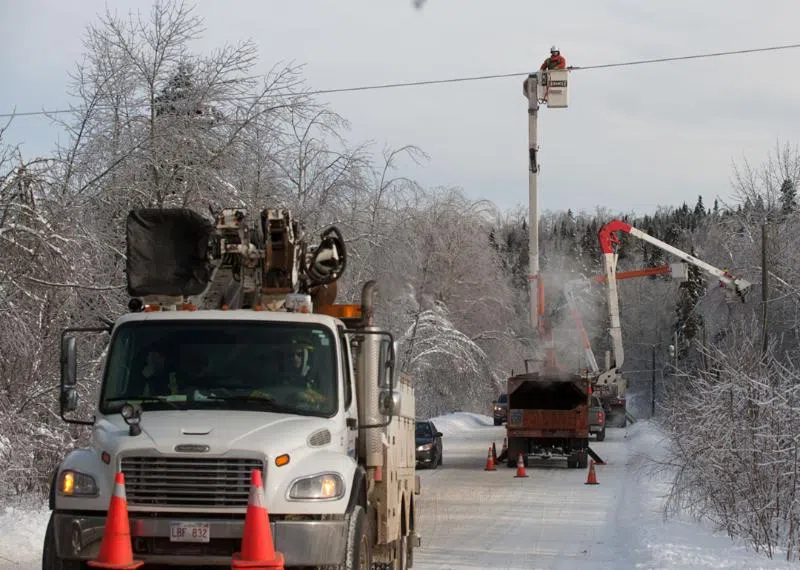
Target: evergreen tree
699,209
788,197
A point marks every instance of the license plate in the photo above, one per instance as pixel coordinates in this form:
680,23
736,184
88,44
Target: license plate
189,532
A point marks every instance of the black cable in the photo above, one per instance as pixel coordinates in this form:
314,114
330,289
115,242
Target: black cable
475,77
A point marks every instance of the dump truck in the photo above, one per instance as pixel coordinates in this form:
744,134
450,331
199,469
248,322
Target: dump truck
234,357
548,416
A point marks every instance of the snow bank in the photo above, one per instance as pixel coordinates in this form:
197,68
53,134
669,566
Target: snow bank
459,422
22,529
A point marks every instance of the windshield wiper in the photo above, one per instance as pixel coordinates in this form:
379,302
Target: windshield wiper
269,401
159,399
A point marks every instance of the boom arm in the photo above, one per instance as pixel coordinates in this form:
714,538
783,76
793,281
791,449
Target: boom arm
608,244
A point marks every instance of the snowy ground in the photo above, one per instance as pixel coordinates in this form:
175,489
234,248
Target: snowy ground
470,518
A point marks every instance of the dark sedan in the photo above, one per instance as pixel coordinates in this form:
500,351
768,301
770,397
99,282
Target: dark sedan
500,410
429,444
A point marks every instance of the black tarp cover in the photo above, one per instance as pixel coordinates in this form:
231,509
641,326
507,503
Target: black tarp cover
167,252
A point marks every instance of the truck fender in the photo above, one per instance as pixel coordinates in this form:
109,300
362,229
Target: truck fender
85,461
51,498
358,494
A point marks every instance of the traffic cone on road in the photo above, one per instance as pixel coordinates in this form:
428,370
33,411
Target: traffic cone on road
520,467
258,550
490,461
592,478
115,548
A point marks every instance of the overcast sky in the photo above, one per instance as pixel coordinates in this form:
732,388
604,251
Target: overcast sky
633,137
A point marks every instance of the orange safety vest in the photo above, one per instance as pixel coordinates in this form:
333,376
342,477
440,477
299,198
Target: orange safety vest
554,62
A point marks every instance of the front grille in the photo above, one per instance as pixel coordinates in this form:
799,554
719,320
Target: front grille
188,482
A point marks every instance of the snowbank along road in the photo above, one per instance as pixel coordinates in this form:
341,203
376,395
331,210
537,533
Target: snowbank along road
471,518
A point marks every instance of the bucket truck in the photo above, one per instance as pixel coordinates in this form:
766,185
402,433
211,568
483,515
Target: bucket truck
235,357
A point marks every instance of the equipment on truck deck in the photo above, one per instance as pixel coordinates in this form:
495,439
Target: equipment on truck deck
234,263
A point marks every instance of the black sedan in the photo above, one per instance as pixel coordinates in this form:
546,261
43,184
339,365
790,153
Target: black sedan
429,444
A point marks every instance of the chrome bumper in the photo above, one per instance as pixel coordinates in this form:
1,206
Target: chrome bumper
303,543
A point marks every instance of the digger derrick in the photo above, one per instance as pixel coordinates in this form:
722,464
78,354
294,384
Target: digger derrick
235,357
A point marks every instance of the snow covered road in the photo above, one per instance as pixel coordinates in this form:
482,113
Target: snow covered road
470,518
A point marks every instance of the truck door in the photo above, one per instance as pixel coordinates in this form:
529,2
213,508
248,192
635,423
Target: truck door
350,403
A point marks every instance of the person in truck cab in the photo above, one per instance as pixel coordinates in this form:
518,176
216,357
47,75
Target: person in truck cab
155,379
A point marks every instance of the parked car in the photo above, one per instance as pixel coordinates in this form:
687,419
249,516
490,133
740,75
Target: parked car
500,410
429,444
597,419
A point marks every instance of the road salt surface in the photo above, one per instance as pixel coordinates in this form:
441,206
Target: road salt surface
470,518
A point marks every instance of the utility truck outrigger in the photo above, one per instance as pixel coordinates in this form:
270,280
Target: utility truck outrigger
262,371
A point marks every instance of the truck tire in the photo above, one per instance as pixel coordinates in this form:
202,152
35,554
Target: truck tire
601,435
359,548
50,559
583,459
401,562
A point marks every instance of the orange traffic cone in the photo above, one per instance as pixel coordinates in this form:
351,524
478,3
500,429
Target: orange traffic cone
115,549
592,478
258,550
490,461
520,467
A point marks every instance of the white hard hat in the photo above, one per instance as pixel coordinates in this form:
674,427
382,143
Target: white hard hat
553,49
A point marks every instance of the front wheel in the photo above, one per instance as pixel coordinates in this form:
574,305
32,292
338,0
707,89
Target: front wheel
601,435
359,549
50,559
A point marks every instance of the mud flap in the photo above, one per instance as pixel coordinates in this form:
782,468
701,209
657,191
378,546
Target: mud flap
597,458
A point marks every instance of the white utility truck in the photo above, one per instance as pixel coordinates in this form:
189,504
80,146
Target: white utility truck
234,357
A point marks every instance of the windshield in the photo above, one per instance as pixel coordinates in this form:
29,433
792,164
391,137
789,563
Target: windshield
281,367
424,429
503,399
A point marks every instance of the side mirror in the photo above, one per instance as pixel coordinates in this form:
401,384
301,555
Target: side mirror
69,362
386,403
389,403
69,400
439,434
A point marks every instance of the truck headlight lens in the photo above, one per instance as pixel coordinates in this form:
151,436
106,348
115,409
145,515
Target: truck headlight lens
324,487
425,447
76,484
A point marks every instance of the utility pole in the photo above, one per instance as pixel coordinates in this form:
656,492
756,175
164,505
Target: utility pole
764,289
653,386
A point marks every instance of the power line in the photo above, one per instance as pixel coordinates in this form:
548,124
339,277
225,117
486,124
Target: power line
481,77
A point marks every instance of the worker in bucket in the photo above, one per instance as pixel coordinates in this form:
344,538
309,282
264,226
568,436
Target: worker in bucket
555,61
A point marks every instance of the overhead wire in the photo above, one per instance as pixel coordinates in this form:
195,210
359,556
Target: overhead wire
480,77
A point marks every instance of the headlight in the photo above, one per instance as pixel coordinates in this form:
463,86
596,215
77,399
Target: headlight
76,484
425,447
497,408
324,487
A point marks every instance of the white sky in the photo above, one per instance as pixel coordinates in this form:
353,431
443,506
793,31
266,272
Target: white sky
632,138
